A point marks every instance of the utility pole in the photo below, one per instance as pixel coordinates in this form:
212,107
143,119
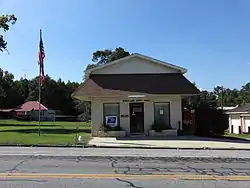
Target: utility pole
222,98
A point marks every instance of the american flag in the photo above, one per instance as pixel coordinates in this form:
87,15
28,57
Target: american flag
41,56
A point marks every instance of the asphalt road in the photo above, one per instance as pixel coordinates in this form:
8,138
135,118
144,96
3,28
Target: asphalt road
110,172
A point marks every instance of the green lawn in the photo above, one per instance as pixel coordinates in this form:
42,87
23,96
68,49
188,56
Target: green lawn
246,136
26,132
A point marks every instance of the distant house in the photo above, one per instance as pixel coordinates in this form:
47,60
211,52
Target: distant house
7,113
239,119
30,111
226,108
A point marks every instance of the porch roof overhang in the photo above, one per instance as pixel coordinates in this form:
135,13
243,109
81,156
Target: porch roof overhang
103,85
125,97
240,112
246,114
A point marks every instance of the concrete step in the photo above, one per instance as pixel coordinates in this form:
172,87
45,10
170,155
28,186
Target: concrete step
136,135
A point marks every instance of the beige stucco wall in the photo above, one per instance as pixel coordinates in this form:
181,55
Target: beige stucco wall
124,121
242,120
97,111
246,122
230,123
135,66
48,115
239,120
148,115
236,122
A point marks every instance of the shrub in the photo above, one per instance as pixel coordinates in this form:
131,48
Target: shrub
106,128
160,126
210,122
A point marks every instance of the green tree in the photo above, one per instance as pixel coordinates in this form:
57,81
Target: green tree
5,22
83,109
230,97
12,92
245,93
101,57
54,94
6,89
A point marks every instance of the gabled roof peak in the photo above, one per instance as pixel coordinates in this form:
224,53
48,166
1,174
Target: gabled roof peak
181,69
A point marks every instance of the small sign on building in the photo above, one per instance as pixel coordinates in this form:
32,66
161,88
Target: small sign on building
111,121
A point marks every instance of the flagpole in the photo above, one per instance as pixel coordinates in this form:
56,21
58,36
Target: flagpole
39,96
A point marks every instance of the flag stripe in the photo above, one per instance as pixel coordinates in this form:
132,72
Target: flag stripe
41,56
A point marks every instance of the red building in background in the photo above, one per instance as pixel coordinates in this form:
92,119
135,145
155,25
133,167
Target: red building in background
188,117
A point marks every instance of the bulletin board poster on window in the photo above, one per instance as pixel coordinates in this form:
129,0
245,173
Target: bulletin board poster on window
111,121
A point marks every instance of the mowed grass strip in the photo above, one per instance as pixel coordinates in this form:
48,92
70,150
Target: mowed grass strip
242,136
59,133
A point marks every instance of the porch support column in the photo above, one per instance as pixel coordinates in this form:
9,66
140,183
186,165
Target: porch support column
230,123
242,119
148,116
96,116
124,116
175,113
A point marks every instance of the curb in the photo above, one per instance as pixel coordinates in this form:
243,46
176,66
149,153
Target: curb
121,147
132,158
171,148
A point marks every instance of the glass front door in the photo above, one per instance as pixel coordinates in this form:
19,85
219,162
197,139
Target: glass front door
136,117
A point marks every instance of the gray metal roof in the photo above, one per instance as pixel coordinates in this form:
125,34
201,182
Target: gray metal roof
243,108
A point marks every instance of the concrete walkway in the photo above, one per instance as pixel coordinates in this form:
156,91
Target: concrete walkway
13,152
172,142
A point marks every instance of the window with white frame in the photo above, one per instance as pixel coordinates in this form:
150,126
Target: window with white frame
162,113
111,110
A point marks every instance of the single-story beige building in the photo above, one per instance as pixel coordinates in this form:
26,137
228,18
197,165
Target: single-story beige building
135,92
239,119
